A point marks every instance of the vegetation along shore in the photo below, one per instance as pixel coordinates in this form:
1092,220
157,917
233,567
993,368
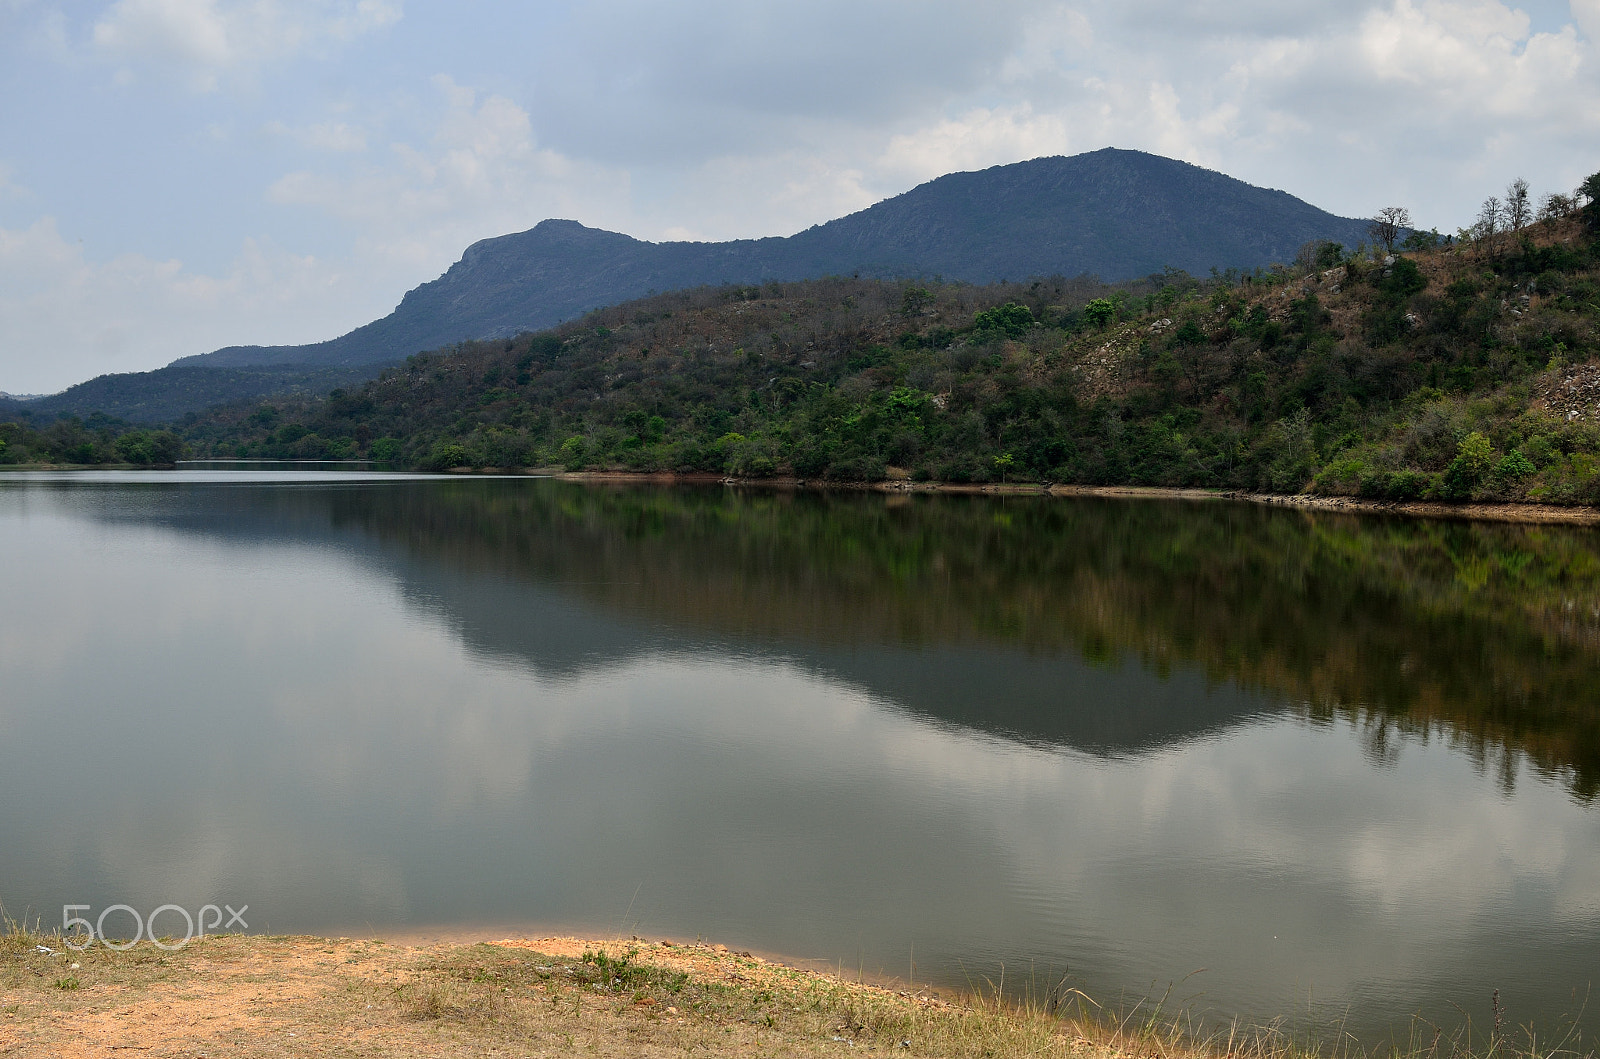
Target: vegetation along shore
1454,370
258,996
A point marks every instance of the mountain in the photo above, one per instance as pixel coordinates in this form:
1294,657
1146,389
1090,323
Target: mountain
1464,370
1113,213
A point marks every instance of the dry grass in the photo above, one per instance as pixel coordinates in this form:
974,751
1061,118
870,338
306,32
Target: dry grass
271,996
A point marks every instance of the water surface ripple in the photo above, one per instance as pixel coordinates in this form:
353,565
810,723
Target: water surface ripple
1293,765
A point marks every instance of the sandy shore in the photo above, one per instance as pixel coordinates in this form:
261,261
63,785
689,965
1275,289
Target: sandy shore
252,996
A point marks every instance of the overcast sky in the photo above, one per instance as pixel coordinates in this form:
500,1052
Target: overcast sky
178,175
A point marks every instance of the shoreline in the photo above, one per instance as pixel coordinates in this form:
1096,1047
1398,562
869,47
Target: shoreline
1471,511
262,995
1520,513
252,996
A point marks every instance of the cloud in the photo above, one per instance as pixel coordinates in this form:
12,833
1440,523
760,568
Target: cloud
717,119
203,40
333,136
1586,13
634,80
480,173
1426,98
982,137
76,318
1426,101
8,188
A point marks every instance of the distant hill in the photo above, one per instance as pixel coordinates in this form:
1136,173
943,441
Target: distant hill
169,393
1112,213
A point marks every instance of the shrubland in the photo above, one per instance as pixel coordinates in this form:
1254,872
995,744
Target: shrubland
1448,368
99,439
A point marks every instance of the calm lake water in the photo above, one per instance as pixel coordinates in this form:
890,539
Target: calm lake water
1290,765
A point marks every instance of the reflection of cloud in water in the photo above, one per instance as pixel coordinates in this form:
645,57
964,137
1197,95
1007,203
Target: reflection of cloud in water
330,753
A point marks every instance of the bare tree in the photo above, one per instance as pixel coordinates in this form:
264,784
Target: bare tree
1490,219
1305,259
1557,206
1518,210
1387,224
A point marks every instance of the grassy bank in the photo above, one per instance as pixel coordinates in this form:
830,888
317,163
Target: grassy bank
267,996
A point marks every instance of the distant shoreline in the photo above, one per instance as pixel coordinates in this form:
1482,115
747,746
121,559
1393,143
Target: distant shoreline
1523,514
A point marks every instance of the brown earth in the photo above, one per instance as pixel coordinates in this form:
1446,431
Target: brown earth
301,996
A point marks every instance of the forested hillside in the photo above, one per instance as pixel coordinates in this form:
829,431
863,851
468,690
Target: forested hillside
170,393
1458,371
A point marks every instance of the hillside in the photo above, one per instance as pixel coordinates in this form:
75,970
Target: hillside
1459,372
1114,214
170,393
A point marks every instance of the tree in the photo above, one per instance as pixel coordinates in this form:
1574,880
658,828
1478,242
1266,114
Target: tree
1319,254
1490,219
1556,206
1589,190
574,453
385,450
1010,319
915,301
1004,463
1387,224
1429,240
1474,458
1100,312
1518,210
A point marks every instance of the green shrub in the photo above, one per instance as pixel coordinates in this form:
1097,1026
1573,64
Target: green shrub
574,454
1515,466
385,450
1396,485
1100,312
446,455
1474,458
1011,319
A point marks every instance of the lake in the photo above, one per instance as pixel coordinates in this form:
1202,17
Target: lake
1316,767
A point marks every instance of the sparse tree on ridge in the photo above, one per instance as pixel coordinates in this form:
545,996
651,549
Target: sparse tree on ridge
1556,206
1319,254
1518,210
1589,193
1491,218
1387,224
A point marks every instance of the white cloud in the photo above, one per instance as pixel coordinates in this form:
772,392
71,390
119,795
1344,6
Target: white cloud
1482,49
9,189
482,174
203,40
717,119
977,139
1586,13
334,136
67,318
635,81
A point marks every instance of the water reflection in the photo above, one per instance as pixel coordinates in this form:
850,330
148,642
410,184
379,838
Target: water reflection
1068,733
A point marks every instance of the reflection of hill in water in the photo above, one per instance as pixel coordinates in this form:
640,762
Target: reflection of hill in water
1043,697
998,613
